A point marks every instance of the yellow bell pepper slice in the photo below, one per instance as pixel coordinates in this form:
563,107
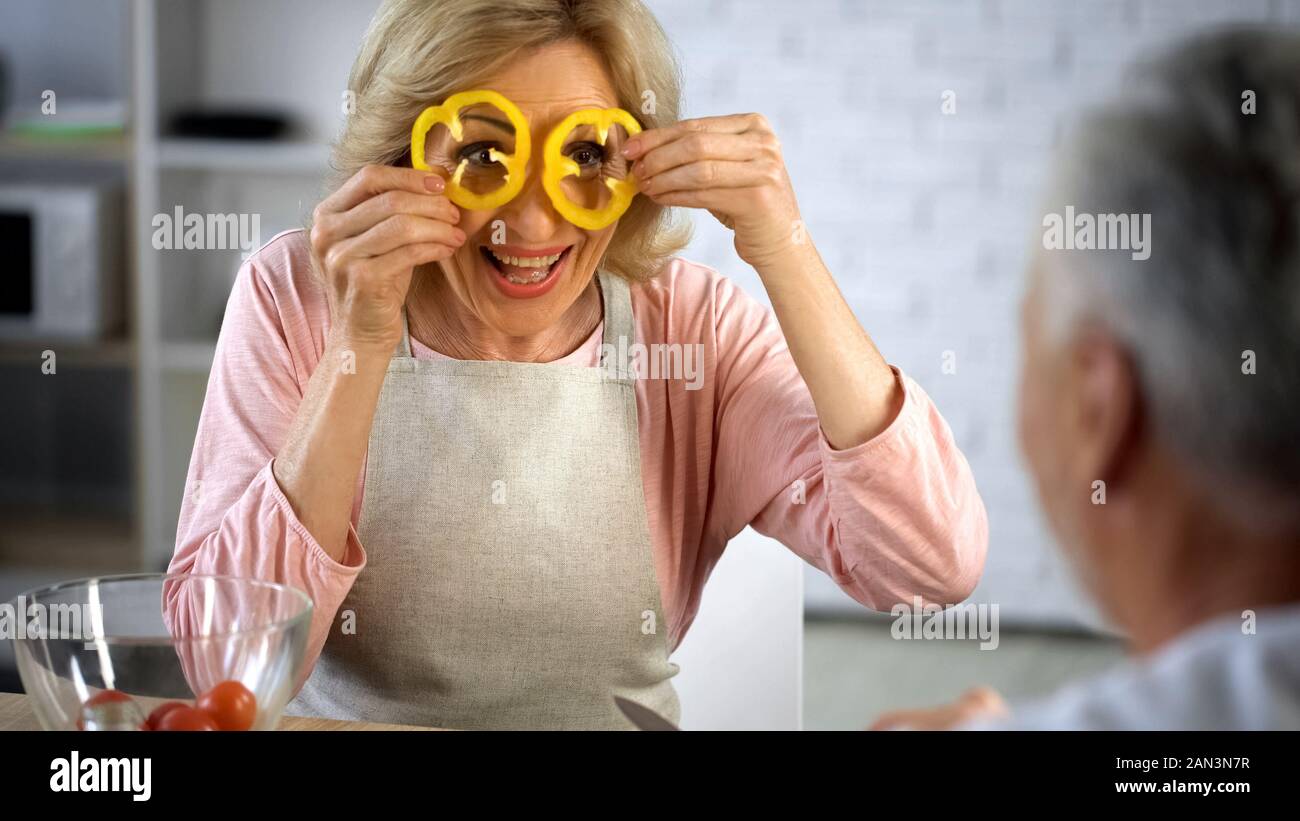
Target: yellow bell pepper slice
558,166
448,114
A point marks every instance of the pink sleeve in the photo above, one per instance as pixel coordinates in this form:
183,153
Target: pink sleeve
894,517
234,519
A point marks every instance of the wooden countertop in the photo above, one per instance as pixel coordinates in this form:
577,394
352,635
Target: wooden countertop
15,714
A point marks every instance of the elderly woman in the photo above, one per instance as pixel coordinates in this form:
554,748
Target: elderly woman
410,416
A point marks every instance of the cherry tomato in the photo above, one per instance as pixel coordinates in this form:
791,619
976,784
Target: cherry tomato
230,704
106,697
155,718
186,718
101,699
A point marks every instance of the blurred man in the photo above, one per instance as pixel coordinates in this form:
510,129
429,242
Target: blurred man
1160,393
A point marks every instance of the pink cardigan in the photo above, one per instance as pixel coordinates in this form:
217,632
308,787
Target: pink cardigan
892,518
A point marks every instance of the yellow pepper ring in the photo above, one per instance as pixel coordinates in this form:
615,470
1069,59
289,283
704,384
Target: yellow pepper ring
557,167
449,115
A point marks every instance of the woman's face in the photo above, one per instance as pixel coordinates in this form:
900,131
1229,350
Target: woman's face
547,85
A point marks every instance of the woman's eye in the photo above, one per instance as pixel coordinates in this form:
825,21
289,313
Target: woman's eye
478,153
587,154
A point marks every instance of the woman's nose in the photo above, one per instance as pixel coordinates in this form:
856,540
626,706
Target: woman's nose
531,213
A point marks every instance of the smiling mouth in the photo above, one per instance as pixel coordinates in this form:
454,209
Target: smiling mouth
524,270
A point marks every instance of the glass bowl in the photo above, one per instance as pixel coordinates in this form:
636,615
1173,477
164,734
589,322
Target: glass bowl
154,639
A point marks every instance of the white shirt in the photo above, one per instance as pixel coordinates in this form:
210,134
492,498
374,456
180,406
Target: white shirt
1214,677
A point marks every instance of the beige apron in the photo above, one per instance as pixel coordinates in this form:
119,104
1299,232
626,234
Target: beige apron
510,581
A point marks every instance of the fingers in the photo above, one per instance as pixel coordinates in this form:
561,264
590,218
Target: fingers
706,174
376,179
380,207
899,719
939,718
736,151
403,259
728,124
394,232
710,198
698,145
974,704
984,701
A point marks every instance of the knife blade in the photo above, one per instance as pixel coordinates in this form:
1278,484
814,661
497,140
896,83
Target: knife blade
643,717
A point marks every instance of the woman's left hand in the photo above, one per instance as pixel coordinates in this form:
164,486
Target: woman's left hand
731,166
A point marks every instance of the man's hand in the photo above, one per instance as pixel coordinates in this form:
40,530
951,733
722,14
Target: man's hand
977,703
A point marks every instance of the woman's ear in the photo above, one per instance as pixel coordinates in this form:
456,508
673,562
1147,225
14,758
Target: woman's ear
1106,408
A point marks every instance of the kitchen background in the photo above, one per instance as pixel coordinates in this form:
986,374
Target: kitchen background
924,216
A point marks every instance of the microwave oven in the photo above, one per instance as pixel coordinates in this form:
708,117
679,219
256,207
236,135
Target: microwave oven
63,265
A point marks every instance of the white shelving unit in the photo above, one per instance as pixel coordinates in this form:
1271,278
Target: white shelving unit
298,157
171,55
199,52
62,523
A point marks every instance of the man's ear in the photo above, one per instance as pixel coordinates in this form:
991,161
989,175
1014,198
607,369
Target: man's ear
1107,419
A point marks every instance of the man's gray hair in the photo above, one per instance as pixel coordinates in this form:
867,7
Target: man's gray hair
1221,288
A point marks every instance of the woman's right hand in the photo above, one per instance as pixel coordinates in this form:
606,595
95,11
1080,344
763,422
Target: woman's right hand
368,236
366,240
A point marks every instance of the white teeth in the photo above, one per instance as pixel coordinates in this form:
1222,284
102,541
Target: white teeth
537,276
542,266
526,262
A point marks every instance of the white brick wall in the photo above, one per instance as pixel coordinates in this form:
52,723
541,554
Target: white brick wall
925,218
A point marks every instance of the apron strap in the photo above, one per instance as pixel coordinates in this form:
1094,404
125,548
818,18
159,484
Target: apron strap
619,326
404,344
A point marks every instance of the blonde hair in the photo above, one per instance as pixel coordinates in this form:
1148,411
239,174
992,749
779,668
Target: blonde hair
417,52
